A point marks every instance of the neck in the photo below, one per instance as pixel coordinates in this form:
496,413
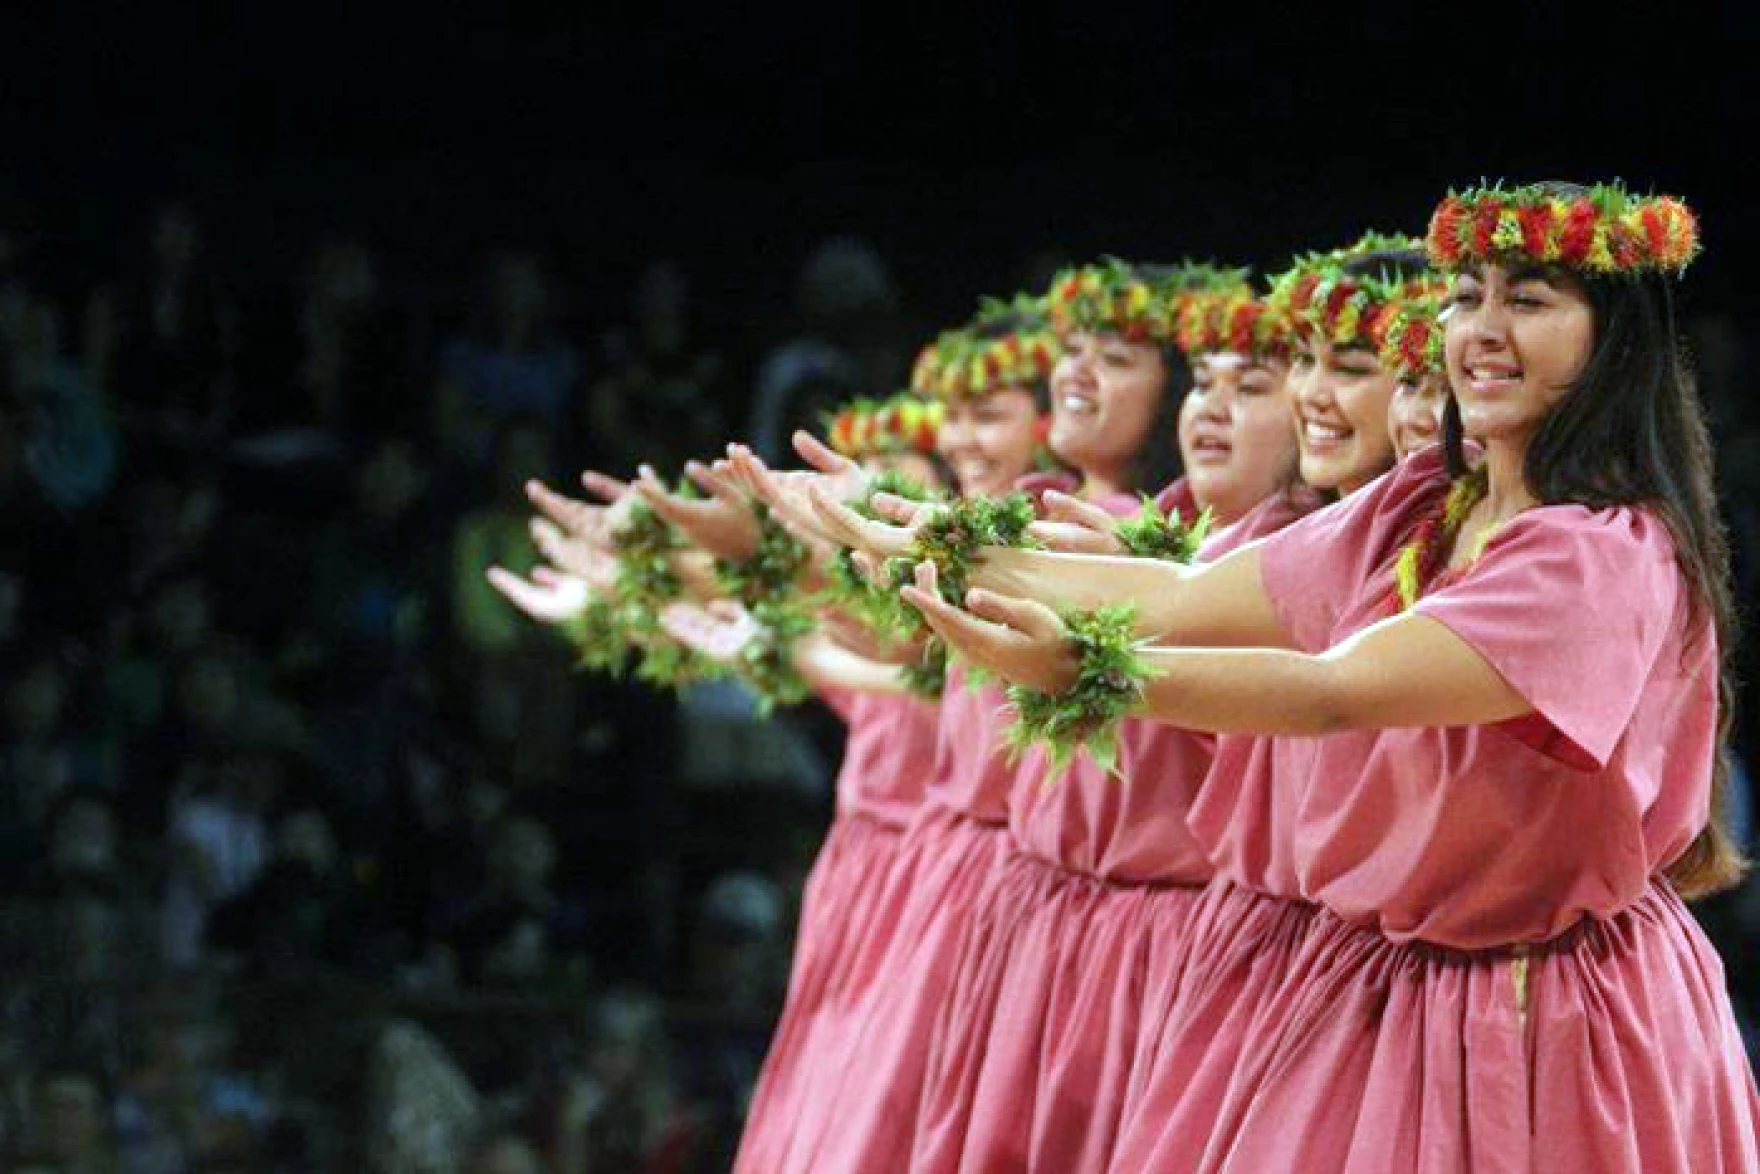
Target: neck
1098,484
1506,492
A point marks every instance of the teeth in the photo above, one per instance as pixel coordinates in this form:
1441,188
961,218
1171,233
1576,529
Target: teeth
1318,431
1077,403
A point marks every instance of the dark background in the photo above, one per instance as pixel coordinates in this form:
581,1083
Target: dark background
958,141
307,146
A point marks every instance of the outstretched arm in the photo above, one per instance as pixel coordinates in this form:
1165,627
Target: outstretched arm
1220,604
1410,670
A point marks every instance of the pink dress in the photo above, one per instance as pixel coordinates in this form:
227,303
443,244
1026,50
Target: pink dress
1231,952
952,862
1037,1041
1498,977
887,757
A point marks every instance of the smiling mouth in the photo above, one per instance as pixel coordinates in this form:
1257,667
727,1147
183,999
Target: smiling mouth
1318,437
1493,377
1078,405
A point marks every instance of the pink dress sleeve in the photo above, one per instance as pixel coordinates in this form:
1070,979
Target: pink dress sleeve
1315,568
1571,607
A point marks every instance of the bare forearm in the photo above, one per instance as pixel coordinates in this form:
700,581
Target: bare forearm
1240,691
1216,605
1083,582
827,666
1405,671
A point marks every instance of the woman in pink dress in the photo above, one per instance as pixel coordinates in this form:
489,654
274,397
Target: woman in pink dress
1115,396
889,748
1035,1043
1516,665
1254,916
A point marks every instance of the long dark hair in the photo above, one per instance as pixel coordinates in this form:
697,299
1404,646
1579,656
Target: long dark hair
1157,463
1631,432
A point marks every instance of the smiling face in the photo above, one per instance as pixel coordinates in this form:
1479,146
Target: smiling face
1414,415
988,441
1234,432
1104,396
1340,396
1516,341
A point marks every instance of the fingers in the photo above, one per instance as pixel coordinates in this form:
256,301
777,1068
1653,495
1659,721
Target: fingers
607,489
566,598
565,510
715,482
815,452
1073,538
1062,507
899,509
1027,616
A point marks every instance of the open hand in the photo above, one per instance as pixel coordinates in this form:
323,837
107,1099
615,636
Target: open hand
721,524
548,596
720,630
1019,640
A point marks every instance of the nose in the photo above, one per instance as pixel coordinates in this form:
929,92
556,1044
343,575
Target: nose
1312,388
1214,405
1488,326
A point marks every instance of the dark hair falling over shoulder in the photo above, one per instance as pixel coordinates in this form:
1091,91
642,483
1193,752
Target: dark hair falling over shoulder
1631,432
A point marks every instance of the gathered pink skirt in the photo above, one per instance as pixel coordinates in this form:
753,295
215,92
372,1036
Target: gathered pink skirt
1201,1015
859,1111
1034,1046
842,918
1612,1048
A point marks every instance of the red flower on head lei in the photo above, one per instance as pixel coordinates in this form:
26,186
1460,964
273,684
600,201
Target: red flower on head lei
1604,229
1233,320
1329,293
868,428
1409,340
1139,303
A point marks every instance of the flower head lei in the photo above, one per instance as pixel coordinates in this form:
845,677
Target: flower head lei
1007,344
1604,230
1233,319
1139,303
870,428
1409,340
1346,299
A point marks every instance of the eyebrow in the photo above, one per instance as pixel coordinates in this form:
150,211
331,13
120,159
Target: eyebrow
1541,273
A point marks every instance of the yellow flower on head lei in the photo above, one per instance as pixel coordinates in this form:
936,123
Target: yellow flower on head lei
1603,230
1233,319
870,428
1329,293
1139,303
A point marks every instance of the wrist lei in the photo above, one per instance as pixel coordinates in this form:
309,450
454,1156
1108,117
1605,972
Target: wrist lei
1155,534
1108,686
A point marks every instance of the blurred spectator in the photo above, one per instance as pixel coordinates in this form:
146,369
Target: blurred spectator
175,330
738,963
510,362
516,932
182,1101
660,400
72,1118
217,844
620,1113
70,443
505,1152
303,914
420,1107
847,342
